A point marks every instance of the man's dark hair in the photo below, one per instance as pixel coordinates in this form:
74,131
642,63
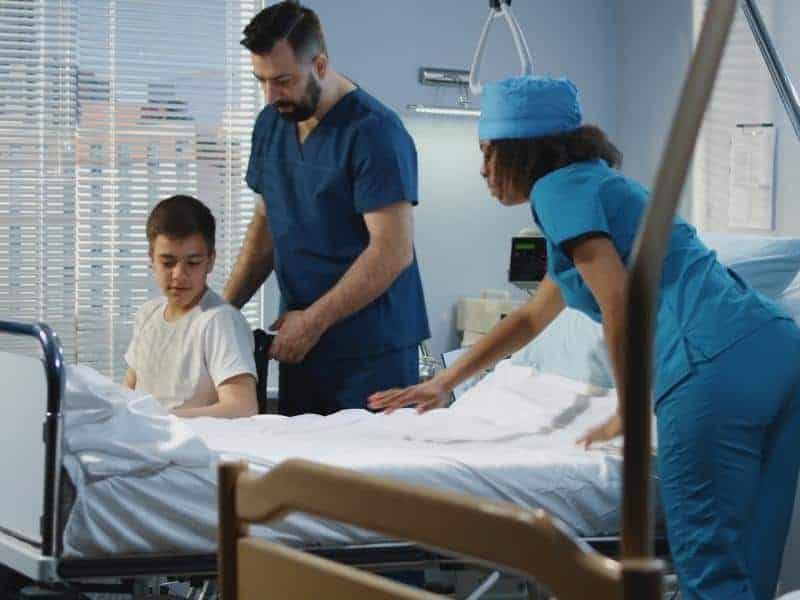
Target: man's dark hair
519,163
290,21
179,217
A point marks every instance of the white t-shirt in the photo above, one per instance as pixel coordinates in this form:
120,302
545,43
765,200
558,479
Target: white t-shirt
182,362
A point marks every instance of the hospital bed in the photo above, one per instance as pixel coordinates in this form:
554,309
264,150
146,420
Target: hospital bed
163,523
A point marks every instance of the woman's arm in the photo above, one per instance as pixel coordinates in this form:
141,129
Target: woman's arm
604,274
237,398
508,336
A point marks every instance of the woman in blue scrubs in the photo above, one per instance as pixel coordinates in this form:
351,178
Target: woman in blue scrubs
726,387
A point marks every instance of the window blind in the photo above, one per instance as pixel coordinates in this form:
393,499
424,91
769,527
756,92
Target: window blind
108,107
37,163
743,93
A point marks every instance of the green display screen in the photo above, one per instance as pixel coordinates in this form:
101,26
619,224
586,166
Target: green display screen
524,245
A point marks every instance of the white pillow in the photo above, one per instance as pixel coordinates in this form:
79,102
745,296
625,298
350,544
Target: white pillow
572,346
769,264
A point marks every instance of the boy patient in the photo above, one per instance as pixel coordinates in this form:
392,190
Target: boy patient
190,349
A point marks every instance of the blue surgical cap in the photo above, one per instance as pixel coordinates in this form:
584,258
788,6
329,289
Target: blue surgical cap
528,106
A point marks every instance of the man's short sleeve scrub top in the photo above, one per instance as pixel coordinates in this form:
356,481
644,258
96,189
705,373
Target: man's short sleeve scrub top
703,307
357,159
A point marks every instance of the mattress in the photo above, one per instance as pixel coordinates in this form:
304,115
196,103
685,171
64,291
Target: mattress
510,438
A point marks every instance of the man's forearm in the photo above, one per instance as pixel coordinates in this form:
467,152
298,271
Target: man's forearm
248,274
253,265
366,279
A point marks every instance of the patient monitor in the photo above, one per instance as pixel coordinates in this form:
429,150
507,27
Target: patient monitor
527,267
528,263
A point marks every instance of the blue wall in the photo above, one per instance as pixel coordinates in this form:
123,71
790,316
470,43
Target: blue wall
653,51
463,236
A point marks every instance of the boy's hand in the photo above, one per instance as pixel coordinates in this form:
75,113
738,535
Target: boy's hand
297,334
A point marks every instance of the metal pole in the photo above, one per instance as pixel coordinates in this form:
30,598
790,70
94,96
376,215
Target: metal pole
783,84
645,275
53,362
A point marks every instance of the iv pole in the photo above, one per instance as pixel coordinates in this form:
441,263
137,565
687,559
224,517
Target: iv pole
780,78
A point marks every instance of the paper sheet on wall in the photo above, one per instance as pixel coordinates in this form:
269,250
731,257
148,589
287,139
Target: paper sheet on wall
751,204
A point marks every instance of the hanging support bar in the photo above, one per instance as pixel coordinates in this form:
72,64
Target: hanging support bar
500,9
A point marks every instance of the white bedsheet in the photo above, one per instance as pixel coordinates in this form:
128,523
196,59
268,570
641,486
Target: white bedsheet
112,430
509,438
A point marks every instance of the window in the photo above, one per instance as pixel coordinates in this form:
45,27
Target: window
106,107
743,94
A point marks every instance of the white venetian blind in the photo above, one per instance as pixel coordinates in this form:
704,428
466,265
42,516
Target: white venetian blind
743,94
37,163
108,107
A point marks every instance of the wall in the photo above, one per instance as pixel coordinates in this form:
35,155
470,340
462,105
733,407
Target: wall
462,236
654,48
653,51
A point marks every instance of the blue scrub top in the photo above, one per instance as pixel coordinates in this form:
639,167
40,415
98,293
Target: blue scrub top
357,159
703,307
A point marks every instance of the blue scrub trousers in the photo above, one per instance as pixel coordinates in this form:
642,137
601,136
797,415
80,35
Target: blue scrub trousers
325,386
728,456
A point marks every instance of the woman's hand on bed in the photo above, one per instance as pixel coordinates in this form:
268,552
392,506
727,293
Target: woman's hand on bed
426,396
602,433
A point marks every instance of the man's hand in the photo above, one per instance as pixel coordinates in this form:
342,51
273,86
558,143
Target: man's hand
298,332
602,433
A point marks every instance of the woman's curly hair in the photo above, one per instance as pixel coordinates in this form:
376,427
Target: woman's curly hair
519,163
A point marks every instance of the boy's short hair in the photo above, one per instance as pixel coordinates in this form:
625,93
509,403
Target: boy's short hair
179,217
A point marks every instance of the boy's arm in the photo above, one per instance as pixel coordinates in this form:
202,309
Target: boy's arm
237,398
228,348
130,379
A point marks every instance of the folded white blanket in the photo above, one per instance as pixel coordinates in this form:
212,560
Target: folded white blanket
112,430
543,412
511,438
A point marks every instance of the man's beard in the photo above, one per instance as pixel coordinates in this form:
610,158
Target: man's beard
306,107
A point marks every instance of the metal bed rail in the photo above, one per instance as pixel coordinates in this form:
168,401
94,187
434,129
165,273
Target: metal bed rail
53,364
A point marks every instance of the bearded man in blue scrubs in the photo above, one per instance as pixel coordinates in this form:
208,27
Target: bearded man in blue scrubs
336,172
